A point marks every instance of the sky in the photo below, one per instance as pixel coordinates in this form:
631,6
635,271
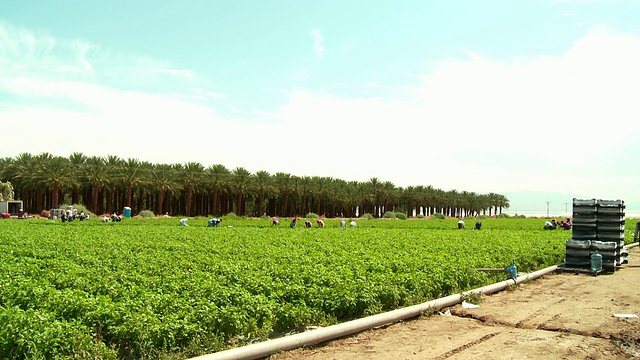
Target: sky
481,96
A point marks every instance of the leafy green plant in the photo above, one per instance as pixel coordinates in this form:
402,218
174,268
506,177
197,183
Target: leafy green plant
438,216
367,216
389,215
149,289
147,214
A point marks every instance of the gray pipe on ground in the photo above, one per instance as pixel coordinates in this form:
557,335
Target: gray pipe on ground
312,337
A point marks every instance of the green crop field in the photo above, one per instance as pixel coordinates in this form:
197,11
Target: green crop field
148,288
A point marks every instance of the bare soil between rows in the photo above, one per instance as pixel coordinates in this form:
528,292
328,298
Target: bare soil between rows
563,315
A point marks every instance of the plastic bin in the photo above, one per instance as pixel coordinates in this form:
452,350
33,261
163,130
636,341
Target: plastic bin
584,210
126,212
584,202
610,203
578,244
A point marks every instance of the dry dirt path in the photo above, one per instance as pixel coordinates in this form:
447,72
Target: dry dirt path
559,316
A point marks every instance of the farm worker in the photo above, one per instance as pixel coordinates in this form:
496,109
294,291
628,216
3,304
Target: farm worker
183,222
352,223
293,222
478,224
275,221
307,224
554,224
213,222
636,234
566,225
320,223
548,225
343,223
460,224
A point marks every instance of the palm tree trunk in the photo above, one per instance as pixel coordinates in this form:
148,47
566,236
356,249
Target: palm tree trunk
160,200
94,200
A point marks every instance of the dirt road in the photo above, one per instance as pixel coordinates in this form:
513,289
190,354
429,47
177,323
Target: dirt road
559,316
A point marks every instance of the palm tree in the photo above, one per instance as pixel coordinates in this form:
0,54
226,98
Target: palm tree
284,183
218,176
19,174
375,187
76,160
389,194
240,184
318,190
303,190
114,163
263,185
132,175
164,181
191,175
54,173
98,175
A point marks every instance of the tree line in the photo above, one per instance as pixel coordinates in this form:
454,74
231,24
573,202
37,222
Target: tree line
108,184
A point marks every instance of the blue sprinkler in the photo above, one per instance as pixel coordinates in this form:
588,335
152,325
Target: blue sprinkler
512,270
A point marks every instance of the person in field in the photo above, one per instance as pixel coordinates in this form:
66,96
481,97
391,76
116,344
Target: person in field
565,225
214,222
352,223
550,225
183,222
307,224
320,223
275,221
478,225
294,221
460,224
343,223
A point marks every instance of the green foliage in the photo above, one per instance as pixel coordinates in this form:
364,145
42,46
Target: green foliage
367,216
147,214
420,216
389,215
438,216
150,289
312,216
232,215
401,216
505,216
6,191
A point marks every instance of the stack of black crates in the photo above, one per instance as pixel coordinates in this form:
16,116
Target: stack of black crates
598,225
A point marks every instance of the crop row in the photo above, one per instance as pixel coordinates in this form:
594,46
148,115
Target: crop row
152,289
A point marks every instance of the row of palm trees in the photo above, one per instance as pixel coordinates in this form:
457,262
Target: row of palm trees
108,184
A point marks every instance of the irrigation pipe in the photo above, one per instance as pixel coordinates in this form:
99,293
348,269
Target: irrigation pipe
312,337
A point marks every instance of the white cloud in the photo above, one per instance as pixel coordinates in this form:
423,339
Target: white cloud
184,72
318,41
553,123
488,125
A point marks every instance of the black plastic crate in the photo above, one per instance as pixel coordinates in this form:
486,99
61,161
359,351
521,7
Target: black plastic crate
610,218
577,261
578,253
578,244
585,218
584,210
611,203
584,202
610,211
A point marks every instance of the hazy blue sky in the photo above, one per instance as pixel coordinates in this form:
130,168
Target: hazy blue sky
484,96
